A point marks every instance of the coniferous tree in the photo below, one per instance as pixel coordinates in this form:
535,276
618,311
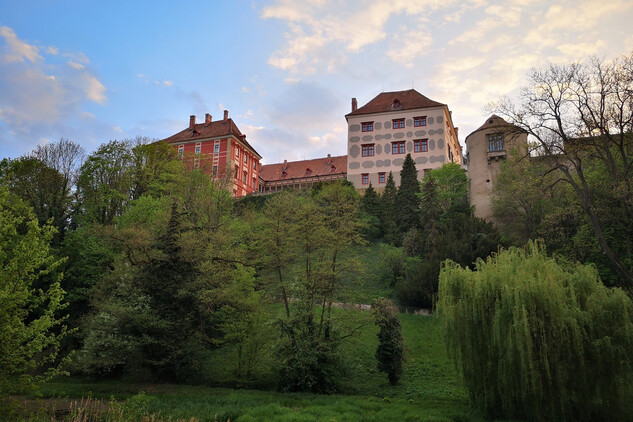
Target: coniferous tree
407,201
370,202
390,346
388,208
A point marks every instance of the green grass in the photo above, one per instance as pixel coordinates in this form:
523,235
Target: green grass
430,389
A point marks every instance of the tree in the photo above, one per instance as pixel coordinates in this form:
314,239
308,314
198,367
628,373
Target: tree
104,184
390,347
581,118
407,201
31,321
388,209
327,225
539,338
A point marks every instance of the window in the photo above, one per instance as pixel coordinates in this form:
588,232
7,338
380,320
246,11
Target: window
365,178
381,177
398,123
450,154
235,177
244,178
419,121
397,147
215,171
245,159
254,165
254,183
198,147
368,150
368,126
421,145
495,142
216,148
426,171
237,152
181,150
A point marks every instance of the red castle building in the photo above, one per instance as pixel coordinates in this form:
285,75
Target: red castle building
220,150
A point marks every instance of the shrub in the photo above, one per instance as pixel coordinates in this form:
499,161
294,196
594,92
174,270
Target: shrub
539,338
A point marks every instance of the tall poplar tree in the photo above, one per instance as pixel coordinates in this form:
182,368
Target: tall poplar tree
407,201
388,208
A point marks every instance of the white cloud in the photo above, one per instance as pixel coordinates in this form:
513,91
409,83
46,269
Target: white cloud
74,65
322,37
117,129
18,50
52,50
38,97
408,45
168,83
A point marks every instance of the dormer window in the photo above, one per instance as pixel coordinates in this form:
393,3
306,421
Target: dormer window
333,168
308,171
284,173
396,104
195,133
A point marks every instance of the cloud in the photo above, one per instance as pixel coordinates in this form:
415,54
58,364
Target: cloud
38,97
18,50
304,106
168,83
52,50
320,37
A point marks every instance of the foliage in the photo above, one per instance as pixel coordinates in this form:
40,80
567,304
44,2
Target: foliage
407,201
539,338
390,346
371,207
320,228
389,211
581,119
31,324
448,230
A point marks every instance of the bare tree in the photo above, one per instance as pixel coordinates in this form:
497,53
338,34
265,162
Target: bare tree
579,115
64,156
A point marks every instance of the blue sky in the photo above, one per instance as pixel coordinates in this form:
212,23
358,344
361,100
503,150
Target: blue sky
286,70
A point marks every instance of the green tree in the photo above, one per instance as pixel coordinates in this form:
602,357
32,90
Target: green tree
390,347
407,200
580,117
105,182
539,338
31,321
388,209
327,226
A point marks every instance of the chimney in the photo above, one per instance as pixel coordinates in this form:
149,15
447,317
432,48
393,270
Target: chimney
207,119
192,121
354,104
226,115
285,165
328,162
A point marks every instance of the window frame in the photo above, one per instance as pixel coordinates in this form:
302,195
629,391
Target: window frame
496,140
382,178
421,145
398,147
364,178
198,148
367,126
216,148
368,150
419,121
400,123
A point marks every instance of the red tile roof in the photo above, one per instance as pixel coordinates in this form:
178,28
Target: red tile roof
306,168
408,100
215,129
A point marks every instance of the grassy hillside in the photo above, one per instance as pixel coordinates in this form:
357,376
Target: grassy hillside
429,391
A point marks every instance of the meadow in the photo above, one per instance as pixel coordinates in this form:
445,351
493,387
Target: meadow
430,389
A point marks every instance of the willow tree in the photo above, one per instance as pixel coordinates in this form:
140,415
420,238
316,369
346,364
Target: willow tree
539,339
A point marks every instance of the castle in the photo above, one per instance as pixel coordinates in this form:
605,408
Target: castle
380,134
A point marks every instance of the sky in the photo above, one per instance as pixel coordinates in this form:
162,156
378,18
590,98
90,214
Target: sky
286,70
